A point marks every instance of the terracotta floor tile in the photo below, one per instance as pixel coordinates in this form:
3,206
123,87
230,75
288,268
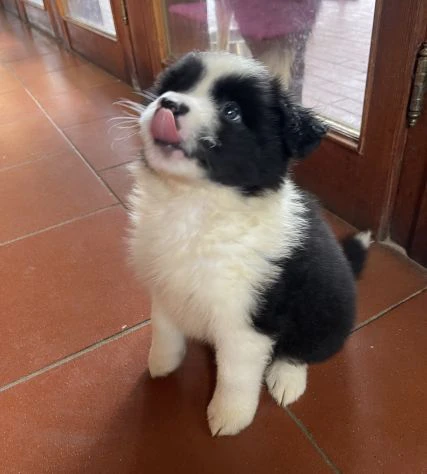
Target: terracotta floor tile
27,40
8,81
30,68
103,144
16,104
388,277
23,50
65,289
72,108
76,77
366,407
120,180
102,413
47,192
32,138
106,95
81,106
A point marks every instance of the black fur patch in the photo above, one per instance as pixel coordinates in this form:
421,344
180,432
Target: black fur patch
355,253
310,310
253,155
249,154
181,76
302,131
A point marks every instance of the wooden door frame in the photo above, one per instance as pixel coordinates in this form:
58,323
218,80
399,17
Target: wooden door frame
366,171
45,12
122,32
418,248
409,220
149,38
19,10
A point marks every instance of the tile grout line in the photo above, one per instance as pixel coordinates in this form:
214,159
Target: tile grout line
68,141
312,440
75,355
125,163
29,162
60,224
301,425
388,310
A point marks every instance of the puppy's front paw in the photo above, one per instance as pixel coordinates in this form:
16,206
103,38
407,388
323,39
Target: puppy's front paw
229,415
162,363
286,382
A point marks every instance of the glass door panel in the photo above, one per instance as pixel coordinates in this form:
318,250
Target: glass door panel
96,14
39,3
319,48
99,31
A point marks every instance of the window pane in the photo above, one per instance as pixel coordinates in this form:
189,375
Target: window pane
94,13
39,3
319,48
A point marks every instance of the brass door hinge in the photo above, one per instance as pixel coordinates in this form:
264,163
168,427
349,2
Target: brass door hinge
124,12
419,87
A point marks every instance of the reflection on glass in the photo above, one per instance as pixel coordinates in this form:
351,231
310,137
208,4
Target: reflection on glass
39,3
94,13
319,48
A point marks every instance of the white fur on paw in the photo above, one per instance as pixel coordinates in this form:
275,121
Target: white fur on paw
286,382
365,238
230,416
161,364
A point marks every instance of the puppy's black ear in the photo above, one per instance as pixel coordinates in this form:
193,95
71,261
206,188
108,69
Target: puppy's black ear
301,130
182,75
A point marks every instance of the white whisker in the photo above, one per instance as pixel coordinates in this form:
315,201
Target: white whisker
125,116
125,122
120,139
131,105
146,95
123,126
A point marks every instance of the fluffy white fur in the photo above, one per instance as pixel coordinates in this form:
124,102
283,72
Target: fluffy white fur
206,251
187,244
286,381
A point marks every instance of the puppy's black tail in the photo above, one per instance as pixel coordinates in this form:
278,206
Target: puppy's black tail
356,249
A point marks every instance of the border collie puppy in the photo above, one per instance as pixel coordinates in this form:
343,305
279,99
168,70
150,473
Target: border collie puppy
232,252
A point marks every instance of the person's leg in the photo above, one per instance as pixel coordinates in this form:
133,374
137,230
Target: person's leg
299,41
285,58
276,53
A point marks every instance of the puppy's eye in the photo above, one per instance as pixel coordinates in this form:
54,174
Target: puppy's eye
231,112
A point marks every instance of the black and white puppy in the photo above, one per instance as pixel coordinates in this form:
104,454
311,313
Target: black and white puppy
233,253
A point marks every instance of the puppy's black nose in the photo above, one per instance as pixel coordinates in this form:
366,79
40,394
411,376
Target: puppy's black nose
175,107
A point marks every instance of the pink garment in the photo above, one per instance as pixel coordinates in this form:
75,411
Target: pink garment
263,19
193,11
260,19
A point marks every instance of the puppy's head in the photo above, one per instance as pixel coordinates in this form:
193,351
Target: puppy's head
224,118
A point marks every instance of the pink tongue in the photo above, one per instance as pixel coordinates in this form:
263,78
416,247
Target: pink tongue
163,127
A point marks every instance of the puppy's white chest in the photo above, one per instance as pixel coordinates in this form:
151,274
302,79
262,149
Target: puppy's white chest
205,255
202,263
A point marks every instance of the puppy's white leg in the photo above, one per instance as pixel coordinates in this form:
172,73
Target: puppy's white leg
286,381
241,361
167,345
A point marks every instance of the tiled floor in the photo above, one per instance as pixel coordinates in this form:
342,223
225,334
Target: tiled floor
75,396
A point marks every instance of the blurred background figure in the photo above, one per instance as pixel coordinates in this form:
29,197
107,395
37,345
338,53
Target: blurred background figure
275,31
